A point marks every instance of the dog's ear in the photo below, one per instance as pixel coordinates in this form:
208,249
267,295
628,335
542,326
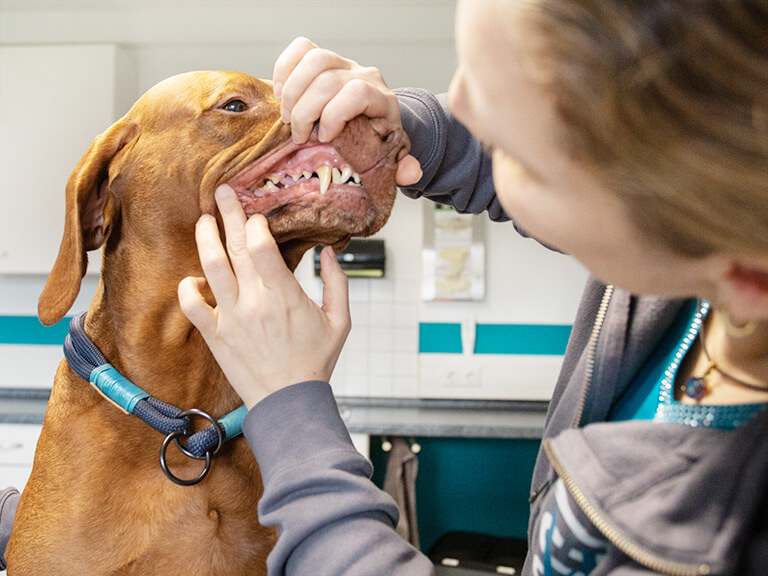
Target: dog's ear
85,227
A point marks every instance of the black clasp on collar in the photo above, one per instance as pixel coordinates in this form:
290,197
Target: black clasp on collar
176,434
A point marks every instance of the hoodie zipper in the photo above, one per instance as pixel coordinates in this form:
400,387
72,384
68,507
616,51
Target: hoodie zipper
589,371
623,543
634,551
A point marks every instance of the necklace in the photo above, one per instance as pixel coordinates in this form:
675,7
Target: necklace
721,417
696,386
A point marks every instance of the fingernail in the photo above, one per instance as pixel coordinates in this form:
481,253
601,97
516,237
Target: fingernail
330,257
278,89
224,191
286,116
321,133
205,218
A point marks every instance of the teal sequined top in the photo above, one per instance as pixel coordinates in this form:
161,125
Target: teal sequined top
565,542
652,397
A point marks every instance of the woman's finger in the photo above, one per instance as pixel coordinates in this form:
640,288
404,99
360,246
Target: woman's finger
408,171
316,63
194,305
323,91
234,220
287,61
355,97
266,259
335,292
213,259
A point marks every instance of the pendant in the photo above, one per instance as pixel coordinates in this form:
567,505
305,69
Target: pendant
695,387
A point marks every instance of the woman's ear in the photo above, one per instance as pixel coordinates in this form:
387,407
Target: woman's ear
744,288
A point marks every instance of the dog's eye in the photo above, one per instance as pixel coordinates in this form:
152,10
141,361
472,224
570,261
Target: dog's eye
235,106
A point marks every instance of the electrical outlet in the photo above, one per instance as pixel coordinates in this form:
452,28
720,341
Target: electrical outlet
463,378
448,371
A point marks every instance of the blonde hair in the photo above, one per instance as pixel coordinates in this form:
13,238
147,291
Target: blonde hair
666,102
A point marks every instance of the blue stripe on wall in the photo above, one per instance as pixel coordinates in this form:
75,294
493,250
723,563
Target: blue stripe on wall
436,337
445,338
521,338
28,330
439,338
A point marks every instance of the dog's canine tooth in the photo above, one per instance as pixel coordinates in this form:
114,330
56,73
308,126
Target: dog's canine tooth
324,174
356,178
337,176
345,174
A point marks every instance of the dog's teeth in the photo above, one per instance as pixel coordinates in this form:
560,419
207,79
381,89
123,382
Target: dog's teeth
337,176
356,177
324,174
275,178
345,174
270,186
296,177
307,174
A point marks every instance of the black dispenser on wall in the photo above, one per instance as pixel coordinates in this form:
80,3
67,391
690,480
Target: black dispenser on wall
363,258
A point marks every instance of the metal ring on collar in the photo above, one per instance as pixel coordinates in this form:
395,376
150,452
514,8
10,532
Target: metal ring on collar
216,426
164,465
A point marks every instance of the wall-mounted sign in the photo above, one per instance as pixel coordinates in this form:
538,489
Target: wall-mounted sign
453,255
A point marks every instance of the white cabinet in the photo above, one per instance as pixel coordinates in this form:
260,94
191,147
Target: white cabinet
53,101
17,451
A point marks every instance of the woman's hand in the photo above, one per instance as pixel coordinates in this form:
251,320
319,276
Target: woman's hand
319,85
264,331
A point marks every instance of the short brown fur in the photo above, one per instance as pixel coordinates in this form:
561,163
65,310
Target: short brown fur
97,501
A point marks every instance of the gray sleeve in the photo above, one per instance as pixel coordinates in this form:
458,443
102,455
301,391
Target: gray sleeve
9,500
457,171
331,518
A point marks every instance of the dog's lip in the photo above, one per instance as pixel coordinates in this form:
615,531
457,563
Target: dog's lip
268,184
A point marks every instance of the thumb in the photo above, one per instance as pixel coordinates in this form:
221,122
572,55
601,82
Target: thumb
194,306
408,171
335,290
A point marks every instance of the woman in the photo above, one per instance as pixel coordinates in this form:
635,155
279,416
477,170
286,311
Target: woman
633,136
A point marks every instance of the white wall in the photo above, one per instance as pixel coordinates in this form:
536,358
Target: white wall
411,41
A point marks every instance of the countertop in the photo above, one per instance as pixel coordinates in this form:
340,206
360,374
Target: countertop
444,418
374,416
23,405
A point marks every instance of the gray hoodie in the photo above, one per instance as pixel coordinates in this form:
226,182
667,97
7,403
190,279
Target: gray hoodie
9,500
670,498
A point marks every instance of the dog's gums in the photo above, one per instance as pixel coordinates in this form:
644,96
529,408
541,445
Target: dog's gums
276,181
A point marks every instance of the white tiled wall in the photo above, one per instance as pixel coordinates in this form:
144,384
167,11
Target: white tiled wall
412,43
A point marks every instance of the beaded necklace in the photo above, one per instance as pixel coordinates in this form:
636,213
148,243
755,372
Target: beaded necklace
724,417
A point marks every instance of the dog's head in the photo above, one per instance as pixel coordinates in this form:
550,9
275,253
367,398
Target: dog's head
150,176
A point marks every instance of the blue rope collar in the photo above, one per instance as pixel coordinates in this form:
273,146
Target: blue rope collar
90,364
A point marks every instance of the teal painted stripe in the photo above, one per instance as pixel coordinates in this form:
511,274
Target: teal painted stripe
536,339
521,338
28,330
439,338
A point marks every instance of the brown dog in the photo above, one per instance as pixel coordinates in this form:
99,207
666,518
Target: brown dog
97,502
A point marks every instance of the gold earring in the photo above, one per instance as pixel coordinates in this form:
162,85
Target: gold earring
739,331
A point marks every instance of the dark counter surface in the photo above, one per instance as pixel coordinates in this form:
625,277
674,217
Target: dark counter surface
375,416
